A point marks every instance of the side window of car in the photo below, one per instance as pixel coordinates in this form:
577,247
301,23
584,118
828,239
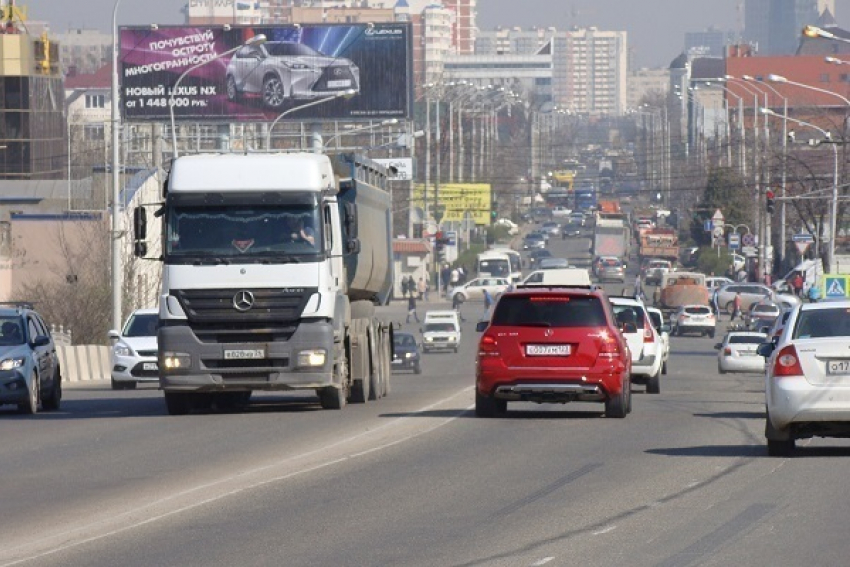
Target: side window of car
42,328
32,329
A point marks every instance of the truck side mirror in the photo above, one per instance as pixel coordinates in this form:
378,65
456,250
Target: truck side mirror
140,223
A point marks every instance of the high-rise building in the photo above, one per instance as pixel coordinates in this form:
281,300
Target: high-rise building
775,25
589,65
84,51
708,43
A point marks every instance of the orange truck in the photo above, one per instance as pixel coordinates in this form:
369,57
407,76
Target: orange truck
608,207
658,243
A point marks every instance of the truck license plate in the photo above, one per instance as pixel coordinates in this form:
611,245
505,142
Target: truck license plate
244,354
149,366
838,367
547,350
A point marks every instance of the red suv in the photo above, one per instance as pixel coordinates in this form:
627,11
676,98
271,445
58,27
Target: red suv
552,345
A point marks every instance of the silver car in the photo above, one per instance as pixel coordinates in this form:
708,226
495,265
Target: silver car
134,353
280,71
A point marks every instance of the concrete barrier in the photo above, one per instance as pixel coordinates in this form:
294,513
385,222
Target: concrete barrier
84,362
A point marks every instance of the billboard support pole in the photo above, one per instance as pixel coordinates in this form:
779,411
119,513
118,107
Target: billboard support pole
316,144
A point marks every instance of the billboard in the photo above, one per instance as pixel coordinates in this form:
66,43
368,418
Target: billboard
295,66
457,198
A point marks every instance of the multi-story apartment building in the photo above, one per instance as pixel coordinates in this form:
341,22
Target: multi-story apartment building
589,65
219,12
84,50
646,82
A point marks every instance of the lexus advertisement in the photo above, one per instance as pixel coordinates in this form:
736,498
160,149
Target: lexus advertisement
334,72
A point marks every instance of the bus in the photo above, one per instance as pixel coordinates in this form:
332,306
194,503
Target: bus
500,263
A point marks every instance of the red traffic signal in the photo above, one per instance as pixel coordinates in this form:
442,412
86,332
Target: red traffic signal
770,204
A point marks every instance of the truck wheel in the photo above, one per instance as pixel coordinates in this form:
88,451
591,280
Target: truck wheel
332,398
387,364
178,403
360,391
375,380
52,400
653,385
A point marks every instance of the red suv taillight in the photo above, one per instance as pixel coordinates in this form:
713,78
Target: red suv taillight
787,363
488,346
609,347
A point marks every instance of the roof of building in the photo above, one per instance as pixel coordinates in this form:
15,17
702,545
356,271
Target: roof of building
411,246
708,68
824,46
680,62
100,79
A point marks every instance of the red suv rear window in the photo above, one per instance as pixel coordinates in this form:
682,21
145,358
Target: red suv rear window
556,310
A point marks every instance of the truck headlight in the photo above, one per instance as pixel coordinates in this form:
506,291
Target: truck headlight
176,360
121,349
12,363
408,355
311,358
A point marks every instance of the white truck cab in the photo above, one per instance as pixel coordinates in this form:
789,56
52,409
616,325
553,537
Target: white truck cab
441,331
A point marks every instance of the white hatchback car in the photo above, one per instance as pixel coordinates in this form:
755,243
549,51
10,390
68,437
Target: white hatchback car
663,330
643,341
807,384
134,353
698,319
473,290
737,353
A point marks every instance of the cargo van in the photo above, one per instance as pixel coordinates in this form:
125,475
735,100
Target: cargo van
578,277
441,331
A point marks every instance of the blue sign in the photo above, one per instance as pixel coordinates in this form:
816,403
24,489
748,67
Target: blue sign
835,286
451,236
803,237
734,241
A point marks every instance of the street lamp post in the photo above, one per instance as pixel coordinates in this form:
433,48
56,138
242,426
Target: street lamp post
388,122
833,215
115,236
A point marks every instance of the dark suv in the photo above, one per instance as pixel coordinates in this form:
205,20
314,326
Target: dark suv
552,345
29,366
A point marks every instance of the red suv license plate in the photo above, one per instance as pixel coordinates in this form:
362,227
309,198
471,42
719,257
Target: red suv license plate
547,350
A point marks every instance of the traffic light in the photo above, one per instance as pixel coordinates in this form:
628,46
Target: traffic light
494,211
770,203
440,245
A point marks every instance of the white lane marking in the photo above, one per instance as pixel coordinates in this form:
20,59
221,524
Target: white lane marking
605,530
543,561
257,484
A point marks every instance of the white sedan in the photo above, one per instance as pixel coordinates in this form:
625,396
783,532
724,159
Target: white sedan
807,387
473,290
737,353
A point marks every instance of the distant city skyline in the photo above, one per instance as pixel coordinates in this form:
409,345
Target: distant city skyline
656,28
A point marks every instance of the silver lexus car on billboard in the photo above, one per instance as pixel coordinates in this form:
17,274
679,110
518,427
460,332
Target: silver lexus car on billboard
282,70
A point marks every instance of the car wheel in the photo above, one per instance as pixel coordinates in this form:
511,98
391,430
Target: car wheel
53,399
779,444
485,406
232,91
653,385
720,369
455,349
711,334
116,385
618,406
274,96
417,369
664,367
629,402
31,405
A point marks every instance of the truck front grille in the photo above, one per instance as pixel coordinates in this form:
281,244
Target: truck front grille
273,315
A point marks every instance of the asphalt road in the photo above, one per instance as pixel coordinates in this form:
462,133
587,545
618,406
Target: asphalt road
416,480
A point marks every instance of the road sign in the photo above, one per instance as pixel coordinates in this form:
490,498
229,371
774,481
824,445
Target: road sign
734,241
835,286
749,250
802,247
748,239
451,237
707,226
717,215
717,232
439,211
803,237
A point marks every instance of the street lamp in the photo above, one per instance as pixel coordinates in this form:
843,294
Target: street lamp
833,214
117,279
815,32
256,40
348,93
785,81
388,122
762,84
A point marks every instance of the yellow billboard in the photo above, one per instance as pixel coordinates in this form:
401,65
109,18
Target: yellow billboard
457,198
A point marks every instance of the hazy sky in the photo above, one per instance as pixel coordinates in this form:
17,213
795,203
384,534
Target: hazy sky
656,27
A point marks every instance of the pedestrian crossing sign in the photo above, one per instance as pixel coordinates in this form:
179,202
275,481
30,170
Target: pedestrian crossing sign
835,286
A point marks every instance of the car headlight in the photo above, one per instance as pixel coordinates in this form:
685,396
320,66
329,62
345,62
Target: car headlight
429,339
300,66
122,349
175,361
408,355
311,358
12,363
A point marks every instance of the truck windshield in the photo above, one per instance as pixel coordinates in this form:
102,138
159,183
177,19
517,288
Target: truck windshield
497,267
247,232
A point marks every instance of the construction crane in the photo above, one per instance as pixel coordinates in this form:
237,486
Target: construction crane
12,18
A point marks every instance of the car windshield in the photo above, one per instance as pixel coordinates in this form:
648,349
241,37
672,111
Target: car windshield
11,331
243,233
142,325
747,339
823,323
549,311
404,340
288,49
439,328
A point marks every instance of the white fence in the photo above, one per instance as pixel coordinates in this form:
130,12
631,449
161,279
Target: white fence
84,362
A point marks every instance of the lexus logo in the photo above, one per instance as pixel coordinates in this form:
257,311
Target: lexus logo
243,301
337,71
